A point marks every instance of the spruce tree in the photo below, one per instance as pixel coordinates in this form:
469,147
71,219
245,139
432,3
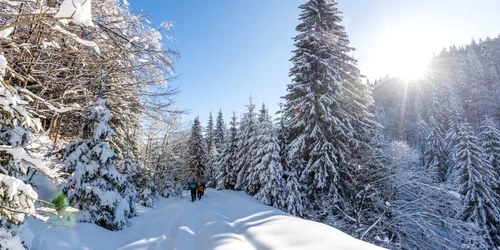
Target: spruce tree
209,133
283,134
220,132
294,195
246,147
226,174
436,154
145,191
490,141
477,182
17,198
266,180
197,151
91,163
211,153
317,102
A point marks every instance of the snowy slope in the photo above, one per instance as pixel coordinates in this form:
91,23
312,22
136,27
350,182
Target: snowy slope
220,220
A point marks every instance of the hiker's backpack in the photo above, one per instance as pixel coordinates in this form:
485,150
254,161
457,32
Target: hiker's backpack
192,184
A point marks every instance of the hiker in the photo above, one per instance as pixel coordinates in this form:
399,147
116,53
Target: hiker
192,186
201,189
204,187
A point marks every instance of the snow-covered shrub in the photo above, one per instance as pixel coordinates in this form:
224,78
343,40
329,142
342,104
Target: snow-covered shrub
95,186
17,199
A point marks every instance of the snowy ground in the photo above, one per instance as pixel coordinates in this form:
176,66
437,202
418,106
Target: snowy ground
220,220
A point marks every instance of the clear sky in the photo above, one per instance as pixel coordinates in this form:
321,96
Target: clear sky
231,49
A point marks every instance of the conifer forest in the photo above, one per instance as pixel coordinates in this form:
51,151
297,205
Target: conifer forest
87,106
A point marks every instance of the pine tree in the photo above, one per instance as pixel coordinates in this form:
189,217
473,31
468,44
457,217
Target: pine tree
227,175
478,182
197,151
317,100
91,163
246,147
220,132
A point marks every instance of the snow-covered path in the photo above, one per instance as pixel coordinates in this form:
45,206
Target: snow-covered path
220,220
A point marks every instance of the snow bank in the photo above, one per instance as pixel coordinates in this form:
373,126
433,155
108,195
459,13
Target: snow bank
220,220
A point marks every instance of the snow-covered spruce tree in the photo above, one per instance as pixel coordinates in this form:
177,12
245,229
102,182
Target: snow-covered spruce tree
283,134
490,141
267,178
226,174
317,102
246,147
478,182
197,151
17,197
294,195
211,153
144,191
478,94
95,186
220,133
437,153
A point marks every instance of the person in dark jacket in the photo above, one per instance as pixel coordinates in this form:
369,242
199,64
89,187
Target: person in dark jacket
192,186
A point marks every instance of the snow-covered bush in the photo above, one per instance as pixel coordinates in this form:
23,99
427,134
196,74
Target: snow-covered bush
95,186
17,198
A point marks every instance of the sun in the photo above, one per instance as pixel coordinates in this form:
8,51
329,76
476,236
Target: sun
408,58
406,51
412,68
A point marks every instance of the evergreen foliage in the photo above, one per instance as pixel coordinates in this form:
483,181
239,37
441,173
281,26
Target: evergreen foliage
247,135
91,163
197,151
226,176
478,182
220,135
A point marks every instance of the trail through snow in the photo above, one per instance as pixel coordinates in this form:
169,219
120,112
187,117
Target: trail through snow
220,220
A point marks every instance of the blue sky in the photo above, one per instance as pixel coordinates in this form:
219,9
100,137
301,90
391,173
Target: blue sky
231,49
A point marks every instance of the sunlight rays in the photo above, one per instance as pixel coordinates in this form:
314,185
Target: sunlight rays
406,51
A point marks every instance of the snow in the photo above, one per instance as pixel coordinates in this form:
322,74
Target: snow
8,241
20,157
3,66
6,32
79,11
11,190
220,220
77,39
